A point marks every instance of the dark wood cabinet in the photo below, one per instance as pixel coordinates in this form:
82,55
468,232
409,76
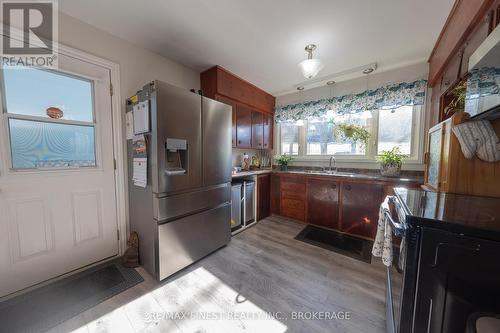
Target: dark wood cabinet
268,132
323,203
243,127
257,130
263,196
293,190
248,102
275,199
233,105
360,203
475,39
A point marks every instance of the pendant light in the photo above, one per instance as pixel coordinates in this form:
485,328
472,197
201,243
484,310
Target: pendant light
310,67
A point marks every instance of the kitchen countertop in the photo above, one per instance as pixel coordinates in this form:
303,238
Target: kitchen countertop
347,175
251,173
470,215
355,175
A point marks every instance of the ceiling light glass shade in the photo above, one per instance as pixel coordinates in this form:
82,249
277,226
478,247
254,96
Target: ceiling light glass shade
310,67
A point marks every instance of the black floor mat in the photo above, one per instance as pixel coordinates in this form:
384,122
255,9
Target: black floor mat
50,305
350,246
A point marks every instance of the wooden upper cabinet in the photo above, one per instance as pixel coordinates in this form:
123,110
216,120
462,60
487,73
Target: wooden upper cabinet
257,130
452,72
360,207
464,15
243,126
268,132
219,81
323,203
475,39
233,105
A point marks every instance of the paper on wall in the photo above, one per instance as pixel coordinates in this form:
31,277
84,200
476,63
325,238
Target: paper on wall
140,171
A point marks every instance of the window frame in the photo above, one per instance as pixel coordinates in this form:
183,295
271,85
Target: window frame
369,158
5,117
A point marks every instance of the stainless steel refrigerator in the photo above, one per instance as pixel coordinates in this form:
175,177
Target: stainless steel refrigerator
184,211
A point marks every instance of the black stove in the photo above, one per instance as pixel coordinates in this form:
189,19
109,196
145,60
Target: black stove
448,272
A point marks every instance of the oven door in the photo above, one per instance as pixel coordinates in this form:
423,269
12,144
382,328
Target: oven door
395,273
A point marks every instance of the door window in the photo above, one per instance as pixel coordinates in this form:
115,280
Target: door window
50,117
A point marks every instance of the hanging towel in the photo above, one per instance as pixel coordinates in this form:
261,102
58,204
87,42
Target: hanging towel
478,137
382,247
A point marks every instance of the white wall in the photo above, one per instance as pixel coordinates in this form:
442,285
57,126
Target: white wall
137,65
404,74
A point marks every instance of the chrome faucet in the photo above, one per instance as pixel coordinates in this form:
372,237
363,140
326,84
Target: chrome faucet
332,159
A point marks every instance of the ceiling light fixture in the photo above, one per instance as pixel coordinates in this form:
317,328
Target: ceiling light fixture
300,88
329,83
310,67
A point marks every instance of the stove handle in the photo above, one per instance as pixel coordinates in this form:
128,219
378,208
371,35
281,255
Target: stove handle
398,229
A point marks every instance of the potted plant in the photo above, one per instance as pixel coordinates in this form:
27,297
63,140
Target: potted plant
354,133
391,160
283,161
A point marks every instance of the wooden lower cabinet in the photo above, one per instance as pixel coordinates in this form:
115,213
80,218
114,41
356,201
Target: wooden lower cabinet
335,203
293,197
275,195
263,196
360,203
323,203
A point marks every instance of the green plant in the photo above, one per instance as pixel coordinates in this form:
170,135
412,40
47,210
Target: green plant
354,133
283,159
458,103
392,157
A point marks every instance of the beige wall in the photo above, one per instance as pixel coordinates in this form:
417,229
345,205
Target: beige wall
137,65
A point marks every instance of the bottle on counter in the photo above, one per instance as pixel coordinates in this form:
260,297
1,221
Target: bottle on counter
245,165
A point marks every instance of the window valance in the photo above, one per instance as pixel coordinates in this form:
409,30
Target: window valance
388,97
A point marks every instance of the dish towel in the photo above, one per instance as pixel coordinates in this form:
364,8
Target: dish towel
478,137
382,247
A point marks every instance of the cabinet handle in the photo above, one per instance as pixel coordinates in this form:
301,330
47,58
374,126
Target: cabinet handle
334,186
348,187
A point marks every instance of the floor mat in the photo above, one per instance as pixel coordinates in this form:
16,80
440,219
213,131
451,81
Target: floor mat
350,246
46,307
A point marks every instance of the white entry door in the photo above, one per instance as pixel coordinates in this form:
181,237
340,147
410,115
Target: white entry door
57,180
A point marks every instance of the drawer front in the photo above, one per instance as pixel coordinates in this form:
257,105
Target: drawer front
293,195
294,209
293,185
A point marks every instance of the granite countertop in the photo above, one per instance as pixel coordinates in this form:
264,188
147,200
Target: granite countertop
357,175
350,174
251,173
470,215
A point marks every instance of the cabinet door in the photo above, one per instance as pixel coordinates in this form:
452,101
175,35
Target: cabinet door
322,203
452,71
433,157
243,126
360,207
293,191
268,132
475,39
275,200
257,130
233,126
263,196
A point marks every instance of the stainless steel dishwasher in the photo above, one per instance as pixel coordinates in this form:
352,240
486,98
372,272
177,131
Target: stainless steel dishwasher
249,202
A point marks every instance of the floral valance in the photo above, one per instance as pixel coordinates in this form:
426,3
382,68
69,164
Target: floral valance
483,82
388,97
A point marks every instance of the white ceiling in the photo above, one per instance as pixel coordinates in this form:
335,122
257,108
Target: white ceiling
263,40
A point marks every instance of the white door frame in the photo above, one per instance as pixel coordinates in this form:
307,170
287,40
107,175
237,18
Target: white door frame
117,123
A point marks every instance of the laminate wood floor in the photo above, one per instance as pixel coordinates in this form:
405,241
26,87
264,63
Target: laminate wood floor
263,281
